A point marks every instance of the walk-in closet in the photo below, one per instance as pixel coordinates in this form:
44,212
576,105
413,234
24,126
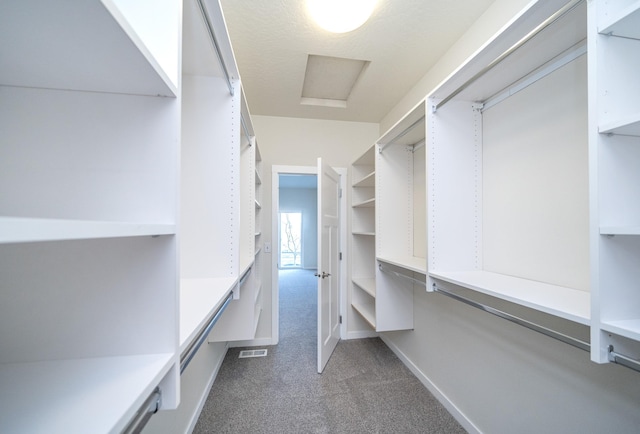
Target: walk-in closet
475,263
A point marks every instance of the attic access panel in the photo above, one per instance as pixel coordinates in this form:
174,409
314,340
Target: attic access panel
329,81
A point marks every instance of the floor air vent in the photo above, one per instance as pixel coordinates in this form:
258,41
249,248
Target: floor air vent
244,354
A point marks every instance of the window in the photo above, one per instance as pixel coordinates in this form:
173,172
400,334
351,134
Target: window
290,239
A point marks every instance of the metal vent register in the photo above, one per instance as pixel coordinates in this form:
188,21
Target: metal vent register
244,354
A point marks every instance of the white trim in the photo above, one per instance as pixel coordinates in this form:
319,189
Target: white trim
435,391
362,334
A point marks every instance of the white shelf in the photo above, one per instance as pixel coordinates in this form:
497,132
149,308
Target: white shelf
567,303
369,203
412,263
89,46
408,131
367,284
367,181
620,230
24,230
82,395
628,328
199,298
368,234
623,24
366,310
627,126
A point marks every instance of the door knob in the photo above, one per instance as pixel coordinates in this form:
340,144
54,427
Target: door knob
323,275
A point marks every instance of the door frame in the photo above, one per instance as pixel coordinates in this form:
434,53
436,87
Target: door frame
276,171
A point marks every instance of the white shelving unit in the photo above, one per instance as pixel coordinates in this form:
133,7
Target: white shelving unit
363,263
401,195
384,306
90,124
614,135
218,177
240,321
508,167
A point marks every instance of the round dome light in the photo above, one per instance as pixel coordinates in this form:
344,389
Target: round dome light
340,16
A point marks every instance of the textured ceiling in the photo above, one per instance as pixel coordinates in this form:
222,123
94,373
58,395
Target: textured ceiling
403,39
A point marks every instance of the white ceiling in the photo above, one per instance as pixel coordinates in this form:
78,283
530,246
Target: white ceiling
403,39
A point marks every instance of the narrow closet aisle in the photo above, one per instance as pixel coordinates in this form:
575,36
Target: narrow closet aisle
364,388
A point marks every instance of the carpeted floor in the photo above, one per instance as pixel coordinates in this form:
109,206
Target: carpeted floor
365,388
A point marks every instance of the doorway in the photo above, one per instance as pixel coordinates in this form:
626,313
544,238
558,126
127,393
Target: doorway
300,177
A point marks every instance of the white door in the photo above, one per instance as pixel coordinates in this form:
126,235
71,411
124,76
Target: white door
328,265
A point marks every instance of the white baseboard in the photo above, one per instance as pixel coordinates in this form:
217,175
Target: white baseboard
441,397
361,334
260,342
205,394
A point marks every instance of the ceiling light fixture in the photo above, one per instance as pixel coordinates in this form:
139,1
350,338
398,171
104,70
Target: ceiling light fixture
340,16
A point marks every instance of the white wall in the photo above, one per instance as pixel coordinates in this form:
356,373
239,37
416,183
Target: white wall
305,201
299,142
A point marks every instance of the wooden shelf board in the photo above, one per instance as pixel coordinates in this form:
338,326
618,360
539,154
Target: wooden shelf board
87,47
368,158
411,263
620,230
568,303
64,396
199,298
627,126
628,328
369,203
367,181
369,234
410,130
367,312
367,284
25,230
625,24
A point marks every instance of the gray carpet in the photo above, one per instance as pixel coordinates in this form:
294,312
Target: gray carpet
365,388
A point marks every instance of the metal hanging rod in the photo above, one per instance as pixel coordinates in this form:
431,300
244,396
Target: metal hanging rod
565,58
386,270
418,145
546,23
194,346
623,360
402,134
246,130
520,321
245,275
149,407
216,47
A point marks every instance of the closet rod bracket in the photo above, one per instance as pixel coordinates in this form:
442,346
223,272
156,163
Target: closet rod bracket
149,407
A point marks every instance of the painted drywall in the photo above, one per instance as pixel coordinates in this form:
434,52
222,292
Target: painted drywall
299,142
305,201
